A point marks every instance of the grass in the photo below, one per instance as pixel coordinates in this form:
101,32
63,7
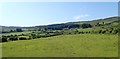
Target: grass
0,50
80,45
16,33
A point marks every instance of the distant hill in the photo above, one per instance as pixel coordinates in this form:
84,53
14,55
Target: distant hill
110,21
106,20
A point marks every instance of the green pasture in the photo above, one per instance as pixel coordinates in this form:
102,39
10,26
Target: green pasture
17,33
79,45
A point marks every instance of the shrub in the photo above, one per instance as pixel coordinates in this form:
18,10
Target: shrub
104,31
100,31
0,39
3,39
13,38
22,38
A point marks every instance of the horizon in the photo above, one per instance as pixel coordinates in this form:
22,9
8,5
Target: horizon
38,14
60,23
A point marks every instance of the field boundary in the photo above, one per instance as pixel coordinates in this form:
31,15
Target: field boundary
60,58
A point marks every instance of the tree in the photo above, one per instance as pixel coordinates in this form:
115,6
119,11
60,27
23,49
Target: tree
104,31
103,23
86,25
100,31
115,31
22,38
11,31
3,39
97,24
19,30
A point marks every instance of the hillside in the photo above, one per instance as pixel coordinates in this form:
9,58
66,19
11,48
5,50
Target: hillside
85,45
100,26
73,39
106,20
111,21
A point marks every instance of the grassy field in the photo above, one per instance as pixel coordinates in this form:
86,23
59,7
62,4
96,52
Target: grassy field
16,33
79,45
0,50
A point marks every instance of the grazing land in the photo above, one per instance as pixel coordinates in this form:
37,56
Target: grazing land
97,38
80,45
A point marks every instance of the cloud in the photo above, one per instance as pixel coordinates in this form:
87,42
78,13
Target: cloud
80,16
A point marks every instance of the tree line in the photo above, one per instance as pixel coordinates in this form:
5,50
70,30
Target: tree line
34,35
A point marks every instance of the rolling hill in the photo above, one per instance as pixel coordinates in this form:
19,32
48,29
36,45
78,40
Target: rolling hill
110,21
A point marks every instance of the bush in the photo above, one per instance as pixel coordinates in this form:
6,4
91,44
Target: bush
22,38
103,32
19,30
0,39
100,31
3,39
86,25
13,38
115,31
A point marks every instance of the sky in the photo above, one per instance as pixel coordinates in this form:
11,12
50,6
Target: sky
59,0
44,13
